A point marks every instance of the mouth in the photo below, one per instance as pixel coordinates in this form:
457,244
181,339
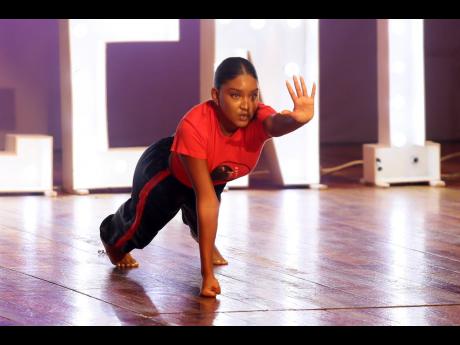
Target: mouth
244,118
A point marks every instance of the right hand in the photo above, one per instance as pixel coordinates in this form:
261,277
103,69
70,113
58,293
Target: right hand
210,287
304,104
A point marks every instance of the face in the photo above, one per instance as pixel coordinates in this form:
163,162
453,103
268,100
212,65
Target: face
237,100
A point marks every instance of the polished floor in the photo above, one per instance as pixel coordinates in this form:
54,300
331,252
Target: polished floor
346,255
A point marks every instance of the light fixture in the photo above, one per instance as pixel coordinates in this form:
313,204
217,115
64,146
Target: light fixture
402,154
88,162
241,52
257,24
291,69
224,21
294,23
275,53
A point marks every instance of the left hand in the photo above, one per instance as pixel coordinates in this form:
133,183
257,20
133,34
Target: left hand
304,104
210,287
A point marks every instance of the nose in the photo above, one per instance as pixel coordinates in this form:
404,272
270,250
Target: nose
244,104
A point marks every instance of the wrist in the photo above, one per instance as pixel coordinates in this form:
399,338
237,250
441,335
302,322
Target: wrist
207,274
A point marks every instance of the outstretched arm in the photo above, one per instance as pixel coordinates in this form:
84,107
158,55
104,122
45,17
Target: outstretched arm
207,208
288,121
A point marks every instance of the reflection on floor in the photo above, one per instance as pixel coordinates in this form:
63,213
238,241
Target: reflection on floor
347,255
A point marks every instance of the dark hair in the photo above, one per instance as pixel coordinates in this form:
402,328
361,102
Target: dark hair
231,68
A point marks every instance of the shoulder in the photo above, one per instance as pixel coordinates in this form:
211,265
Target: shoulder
200,112
263,111
197,122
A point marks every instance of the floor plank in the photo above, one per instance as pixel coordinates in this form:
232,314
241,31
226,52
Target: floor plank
347,255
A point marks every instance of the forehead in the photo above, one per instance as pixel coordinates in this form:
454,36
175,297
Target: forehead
244,82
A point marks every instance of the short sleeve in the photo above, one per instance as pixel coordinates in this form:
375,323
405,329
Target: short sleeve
263,111
189,141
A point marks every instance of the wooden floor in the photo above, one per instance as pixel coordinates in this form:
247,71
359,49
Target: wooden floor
347,255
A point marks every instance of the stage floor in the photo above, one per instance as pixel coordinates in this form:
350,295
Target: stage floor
346,255
365,256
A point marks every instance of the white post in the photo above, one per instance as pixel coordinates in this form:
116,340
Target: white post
401,155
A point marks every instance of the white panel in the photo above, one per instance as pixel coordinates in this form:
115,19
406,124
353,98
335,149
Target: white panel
406,82
280,48
93,164
27,164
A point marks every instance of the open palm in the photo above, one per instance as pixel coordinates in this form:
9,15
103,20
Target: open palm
304,104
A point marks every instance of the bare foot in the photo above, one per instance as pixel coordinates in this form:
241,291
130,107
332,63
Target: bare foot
217,258
127,262
120,259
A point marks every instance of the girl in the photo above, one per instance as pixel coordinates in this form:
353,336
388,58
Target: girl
215,142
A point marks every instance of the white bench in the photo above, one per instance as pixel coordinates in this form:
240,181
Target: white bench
26,165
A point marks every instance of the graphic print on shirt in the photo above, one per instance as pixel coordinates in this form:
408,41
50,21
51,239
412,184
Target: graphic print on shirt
227,171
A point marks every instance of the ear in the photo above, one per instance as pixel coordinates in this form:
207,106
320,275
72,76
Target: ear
215,95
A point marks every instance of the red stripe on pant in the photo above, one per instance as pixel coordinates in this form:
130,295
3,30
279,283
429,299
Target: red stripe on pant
141,205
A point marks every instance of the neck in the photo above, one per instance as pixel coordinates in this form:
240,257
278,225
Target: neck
227,128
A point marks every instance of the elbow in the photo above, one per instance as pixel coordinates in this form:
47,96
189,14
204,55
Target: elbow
208,205
276,134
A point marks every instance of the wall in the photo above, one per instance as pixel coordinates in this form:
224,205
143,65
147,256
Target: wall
151,81
348,67
150,85
29,77
442,79
348,62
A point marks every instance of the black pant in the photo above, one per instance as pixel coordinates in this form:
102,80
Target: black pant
156,198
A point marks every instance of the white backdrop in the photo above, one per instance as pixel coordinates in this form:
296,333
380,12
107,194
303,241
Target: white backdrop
279,49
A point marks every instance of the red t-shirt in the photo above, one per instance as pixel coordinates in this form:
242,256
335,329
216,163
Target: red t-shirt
199,135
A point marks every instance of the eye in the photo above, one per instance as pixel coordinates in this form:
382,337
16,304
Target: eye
254,96
235,95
